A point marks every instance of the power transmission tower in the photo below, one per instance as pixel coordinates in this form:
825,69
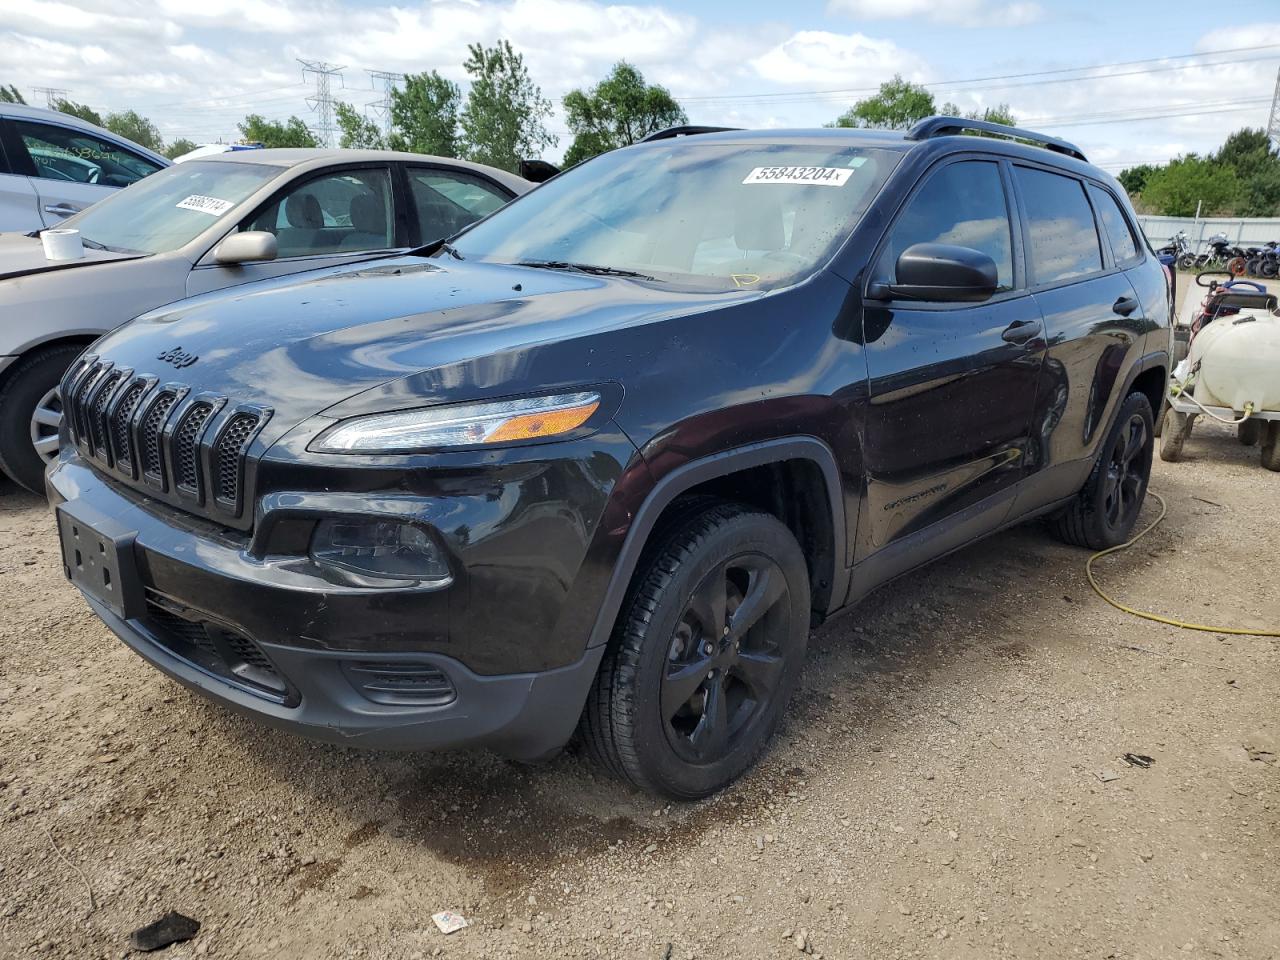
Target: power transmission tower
382,106
322,101
52,95
1273,124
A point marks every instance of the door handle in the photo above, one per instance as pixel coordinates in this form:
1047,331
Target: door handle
1020,331
61,209
1125,306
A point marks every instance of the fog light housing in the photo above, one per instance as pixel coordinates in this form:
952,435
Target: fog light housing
379,548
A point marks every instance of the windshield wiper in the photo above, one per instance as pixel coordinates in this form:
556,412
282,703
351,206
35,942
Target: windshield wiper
434,247
591,268
93,244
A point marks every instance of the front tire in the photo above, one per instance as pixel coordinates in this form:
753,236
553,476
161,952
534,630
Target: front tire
707,650
30,413
1106,508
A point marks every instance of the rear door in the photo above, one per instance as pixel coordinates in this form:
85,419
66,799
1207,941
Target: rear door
951,384
1093,323
71,169
444,200
19,205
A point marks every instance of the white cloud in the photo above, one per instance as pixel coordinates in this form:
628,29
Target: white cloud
972,13
851,60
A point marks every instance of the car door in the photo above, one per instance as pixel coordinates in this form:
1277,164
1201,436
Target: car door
19,205
1093,323
444,200
951,385
319,220
71,168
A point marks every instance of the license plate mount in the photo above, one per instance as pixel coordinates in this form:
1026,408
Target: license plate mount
98,557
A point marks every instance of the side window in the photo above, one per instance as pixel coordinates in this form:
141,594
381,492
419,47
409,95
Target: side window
343,212
962,204
1063,238
1124,248
61,153
448,200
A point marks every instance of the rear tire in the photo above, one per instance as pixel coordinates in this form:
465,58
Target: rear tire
1249,432
1106,508
686,698
28,414
1271,446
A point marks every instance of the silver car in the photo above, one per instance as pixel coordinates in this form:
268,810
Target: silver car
201,226
53,165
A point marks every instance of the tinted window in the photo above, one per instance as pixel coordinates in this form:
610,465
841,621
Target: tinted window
962,204
61,153
1123,246
344,212
449,200
1064,241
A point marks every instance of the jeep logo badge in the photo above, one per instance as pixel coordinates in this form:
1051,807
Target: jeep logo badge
178,357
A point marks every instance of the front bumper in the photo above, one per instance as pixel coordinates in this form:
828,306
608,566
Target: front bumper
380,669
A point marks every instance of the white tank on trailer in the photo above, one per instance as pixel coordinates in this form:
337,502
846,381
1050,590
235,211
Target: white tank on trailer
1239,359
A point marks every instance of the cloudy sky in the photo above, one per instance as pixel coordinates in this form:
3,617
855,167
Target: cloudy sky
1118,78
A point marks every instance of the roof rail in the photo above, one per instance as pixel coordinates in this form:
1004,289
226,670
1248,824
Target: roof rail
931,127
686,131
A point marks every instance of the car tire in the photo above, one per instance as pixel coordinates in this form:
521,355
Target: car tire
30,384
685,700
1105,510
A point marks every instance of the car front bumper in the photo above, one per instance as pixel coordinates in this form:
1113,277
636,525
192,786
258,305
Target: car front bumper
260,638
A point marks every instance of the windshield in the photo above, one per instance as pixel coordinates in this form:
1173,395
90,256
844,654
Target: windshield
169,208
713,216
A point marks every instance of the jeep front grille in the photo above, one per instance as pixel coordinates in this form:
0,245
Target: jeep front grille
190,451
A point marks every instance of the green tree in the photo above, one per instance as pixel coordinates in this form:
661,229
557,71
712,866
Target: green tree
272,133
1182,185
1247,152
504,119
617,112
133,126
997,114
1260,194
358,131
10,94
83,111
424,115
1134,179
896,106
179,147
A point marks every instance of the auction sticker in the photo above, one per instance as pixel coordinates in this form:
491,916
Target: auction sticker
210,205
814,176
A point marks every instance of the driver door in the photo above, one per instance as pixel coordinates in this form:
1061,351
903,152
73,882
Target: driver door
952,385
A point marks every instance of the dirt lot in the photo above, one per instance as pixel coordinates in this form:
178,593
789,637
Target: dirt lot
942,787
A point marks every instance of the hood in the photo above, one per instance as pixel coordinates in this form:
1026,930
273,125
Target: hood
21,255
418,329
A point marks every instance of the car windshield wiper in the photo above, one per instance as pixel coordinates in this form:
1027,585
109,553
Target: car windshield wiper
591,268
93,244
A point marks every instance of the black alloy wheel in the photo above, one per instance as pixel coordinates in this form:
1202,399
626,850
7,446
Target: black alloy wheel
1125,478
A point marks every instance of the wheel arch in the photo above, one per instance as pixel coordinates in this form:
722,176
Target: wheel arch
79,339
793,478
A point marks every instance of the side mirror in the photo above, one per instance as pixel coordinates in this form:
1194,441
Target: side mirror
537,171
248,247
940,272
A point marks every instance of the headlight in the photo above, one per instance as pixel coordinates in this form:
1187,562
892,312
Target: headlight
463,425
381,548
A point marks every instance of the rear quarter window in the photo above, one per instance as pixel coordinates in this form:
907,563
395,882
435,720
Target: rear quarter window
1124,246
1062,237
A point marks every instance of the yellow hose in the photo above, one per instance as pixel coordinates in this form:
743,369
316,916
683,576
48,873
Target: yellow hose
1158,618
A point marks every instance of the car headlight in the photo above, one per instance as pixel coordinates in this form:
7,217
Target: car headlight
461,425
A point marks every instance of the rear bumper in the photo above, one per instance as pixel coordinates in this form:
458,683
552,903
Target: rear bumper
525,716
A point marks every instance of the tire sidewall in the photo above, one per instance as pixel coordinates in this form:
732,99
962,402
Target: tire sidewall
31,379
660,764
1104,534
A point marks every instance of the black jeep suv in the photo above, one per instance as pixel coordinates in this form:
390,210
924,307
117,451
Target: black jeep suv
601,462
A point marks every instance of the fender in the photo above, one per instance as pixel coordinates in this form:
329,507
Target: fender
688,476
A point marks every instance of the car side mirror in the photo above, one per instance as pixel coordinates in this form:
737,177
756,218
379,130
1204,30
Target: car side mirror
251,246
940,272
537,171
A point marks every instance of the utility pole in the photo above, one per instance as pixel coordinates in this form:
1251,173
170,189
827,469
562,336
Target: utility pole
382,106
1273,124
53,94
322,100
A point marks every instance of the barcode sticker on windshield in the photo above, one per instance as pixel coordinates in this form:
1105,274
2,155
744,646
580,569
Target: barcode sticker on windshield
815,176
210,205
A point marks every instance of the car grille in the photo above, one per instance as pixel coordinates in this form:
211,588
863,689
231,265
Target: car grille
188,450
214,648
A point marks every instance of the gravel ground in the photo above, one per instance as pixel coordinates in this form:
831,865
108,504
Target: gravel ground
948,784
